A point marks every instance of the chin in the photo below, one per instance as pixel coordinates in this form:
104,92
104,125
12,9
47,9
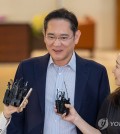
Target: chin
57,57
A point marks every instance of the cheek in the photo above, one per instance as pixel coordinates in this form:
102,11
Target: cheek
69,49
118,80
115,72
71,45
118,75
48,46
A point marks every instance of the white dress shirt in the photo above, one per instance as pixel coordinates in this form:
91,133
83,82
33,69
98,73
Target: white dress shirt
59,78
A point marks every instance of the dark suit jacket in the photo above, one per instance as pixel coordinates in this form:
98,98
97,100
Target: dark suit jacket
91,89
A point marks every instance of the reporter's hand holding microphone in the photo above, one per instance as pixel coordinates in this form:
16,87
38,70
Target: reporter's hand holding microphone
6,115
15,100
77,120
9,110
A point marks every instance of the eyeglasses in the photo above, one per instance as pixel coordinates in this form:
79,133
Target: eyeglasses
62,38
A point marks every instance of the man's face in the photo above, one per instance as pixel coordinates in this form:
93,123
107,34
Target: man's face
60,40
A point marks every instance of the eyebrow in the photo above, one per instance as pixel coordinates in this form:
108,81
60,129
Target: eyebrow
50,34
59,35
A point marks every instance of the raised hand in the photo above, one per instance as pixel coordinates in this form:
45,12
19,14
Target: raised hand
8,110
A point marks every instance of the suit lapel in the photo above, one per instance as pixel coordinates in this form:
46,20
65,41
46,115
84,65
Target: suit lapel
81,80
40,75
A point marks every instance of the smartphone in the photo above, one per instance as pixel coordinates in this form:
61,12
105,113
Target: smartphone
26,97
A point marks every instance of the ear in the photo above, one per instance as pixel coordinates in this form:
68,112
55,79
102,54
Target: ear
77,36
44,36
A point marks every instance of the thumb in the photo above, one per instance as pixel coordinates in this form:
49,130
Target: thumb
68,106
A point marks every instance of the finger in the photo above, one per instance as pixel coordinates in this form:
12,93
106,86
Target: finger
55,110
20,109
26,102
68,106
57,113
63,115
23,106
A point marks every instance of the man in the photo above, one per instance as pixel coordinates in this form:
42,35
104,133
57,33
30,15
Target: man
61,70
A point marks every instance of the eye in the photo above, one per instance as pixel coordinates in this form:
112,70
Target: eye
63,38
51,37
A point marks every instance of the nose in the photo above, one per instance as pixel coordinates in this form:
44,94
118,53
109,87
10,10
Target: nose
57,42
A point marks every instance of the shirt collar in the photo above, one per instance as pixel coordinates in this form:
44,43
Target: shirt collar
71,64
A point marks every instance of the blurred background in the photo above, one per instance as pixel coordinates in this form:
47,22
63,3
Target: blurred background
21,35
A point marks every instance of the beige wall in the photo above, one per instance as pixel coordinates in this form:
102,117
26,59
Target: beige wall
103,11
24,10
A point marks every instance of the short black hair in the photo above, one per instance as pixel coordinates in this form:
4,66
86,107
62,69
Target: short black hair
62,13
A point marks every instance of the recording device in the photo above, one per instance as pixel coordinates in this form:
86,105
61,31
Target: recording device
16,93
61,101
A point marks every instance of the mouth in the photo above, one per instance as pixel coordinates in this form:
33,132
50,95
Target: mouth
57,51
